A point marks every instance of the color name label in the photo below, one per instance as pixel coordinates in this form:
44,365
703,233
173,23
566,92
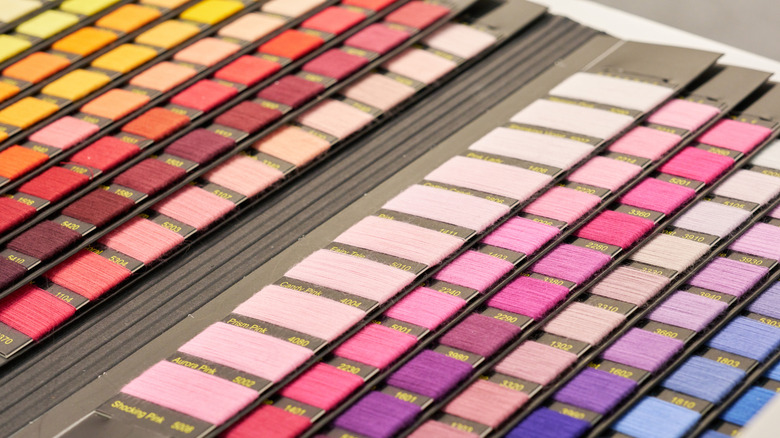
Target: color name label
745,364
150,416
350,300
396,262
444,228
242,378
276,331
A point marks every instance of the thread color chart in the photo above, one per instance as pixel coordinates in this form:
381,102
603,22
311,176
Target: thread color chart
234,218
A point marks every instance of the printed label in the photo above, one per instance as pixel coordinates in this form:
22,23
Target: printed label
593,141
684,400
772,385
170,223
61,102
242,378
610,250
500,253
18,83
282,108
341,433
231,84
151,94
42,148
60,292
576,412
706,293
93,119
452,289
750,259
368,109
446,55
515,319
610,305
736,203
325,36
565,344
276,331
4,181
9,130
401,326
680,132
150,416
464,425
735,361
91,172
515,384
76,225
655,270
175,161
765,170
12,340
228,132
654,216
133,195
317,133
116,257
734,155
282,61
498,199
635,77
728,429
32,201
680,181
544,220
137,140
270,161
320,79
409,82
707,239
618,369
552,280
598,106
630,159
772,221
461,355
585,188
523,164
368,54
755,120
20,259
774,322
222,192
353,367
300,409
396,262
669,331
190,113
361,303
401,394
442,227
